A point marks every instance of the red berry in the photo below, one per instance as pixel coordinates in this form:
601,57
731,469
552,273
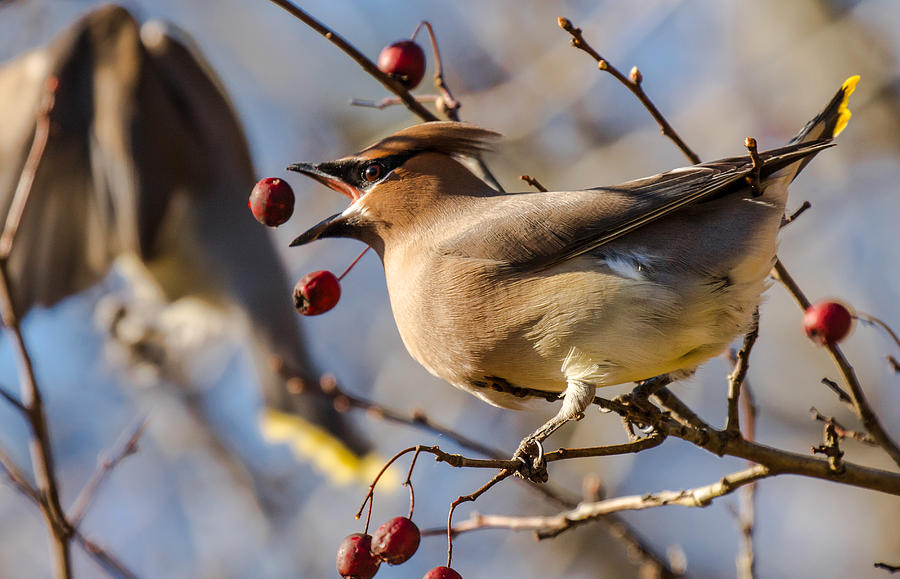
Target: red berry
405,61
316,293
442,573
396,540
354,560
272,201
827,322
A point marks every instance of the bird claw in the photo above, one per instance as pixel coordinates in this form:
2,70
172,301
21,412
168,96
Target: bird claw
533,466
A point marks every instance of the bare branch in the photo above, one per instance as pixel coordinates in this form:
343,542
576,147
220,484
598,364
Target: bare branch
105,466
634,84
742,365
793,216
551,526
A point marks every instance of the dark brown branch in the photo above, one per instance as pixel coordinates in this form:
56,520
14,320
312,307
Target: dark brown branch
887,567
634,84
863,410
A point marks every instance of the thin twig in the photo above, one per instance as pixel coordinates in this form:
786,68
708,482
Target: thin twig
793,216
29,170
533,182
105,466
860,404
746,559
389,82
31,401
870,319
104,559
841,394
12,400
632,83
841,431
503,474
390,101
736,379
447,104
756,167
887,567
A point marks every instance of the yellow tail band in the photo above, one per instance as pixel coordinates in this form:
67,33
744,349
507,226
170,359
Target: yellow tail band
313,444
844,110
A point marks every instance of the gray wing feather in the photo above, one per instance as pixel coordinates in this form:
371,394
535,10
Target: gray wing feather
536,231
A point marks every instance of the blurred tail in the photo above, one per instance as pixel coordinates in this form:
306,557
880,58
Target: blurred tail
830,122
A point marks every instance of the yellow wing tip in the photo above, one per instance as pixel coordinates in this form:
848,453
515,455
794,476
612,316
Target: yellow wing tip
844,113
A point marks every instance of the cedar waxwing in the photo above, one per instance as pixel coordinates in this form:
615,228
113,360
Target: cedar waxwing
146,159
561,292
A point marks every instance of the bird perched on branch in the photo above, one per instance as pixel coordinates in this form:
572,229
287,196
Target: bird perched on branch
559,293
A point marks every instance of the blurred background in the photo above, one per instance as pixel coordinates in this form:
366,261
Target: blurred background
206,496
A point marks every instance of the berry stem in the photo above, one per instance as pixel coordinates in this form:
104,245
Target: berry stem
349,267
872,320
408,483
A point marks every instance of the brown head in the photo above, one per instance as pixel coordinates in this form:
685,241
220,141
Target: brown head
399,182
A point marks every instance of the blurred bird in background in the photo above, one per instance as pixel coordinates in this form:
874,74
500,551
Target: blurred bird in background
147,171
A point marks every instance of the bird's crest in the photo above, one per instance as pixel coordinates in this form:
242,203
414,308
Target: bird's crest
447,137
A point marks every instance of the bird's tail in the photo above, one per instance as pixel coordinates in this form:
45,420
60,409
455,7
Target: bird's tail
830,122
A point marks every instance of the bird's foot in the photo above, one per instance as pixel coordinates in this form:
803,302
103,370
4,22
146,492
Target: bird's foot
530,455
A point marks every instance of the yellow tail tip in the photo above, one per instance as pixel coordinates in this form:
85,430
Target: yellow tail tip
844,113
313,444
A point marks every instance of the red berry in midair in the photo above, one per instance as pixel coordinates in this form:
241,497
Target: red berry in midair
442,573
827,322
355,560
396,540
405,61
316,293
272,201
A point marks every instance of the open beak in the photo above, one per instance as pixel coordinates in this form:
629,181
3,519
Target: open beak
337,224
324,178
319,230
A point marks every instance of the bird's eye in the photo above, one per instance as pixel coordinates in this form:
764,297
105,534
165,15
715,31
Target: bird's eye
373,172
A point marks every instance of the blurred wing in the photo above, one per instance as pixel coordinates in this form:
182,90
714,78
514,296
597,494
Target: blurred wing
551,228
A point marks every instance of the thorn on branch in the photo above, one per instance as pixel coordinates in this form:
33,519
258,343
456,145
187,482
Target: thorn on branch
841,394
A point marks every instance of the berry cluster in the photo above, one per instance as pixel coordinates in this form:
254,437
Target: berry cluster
360,555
